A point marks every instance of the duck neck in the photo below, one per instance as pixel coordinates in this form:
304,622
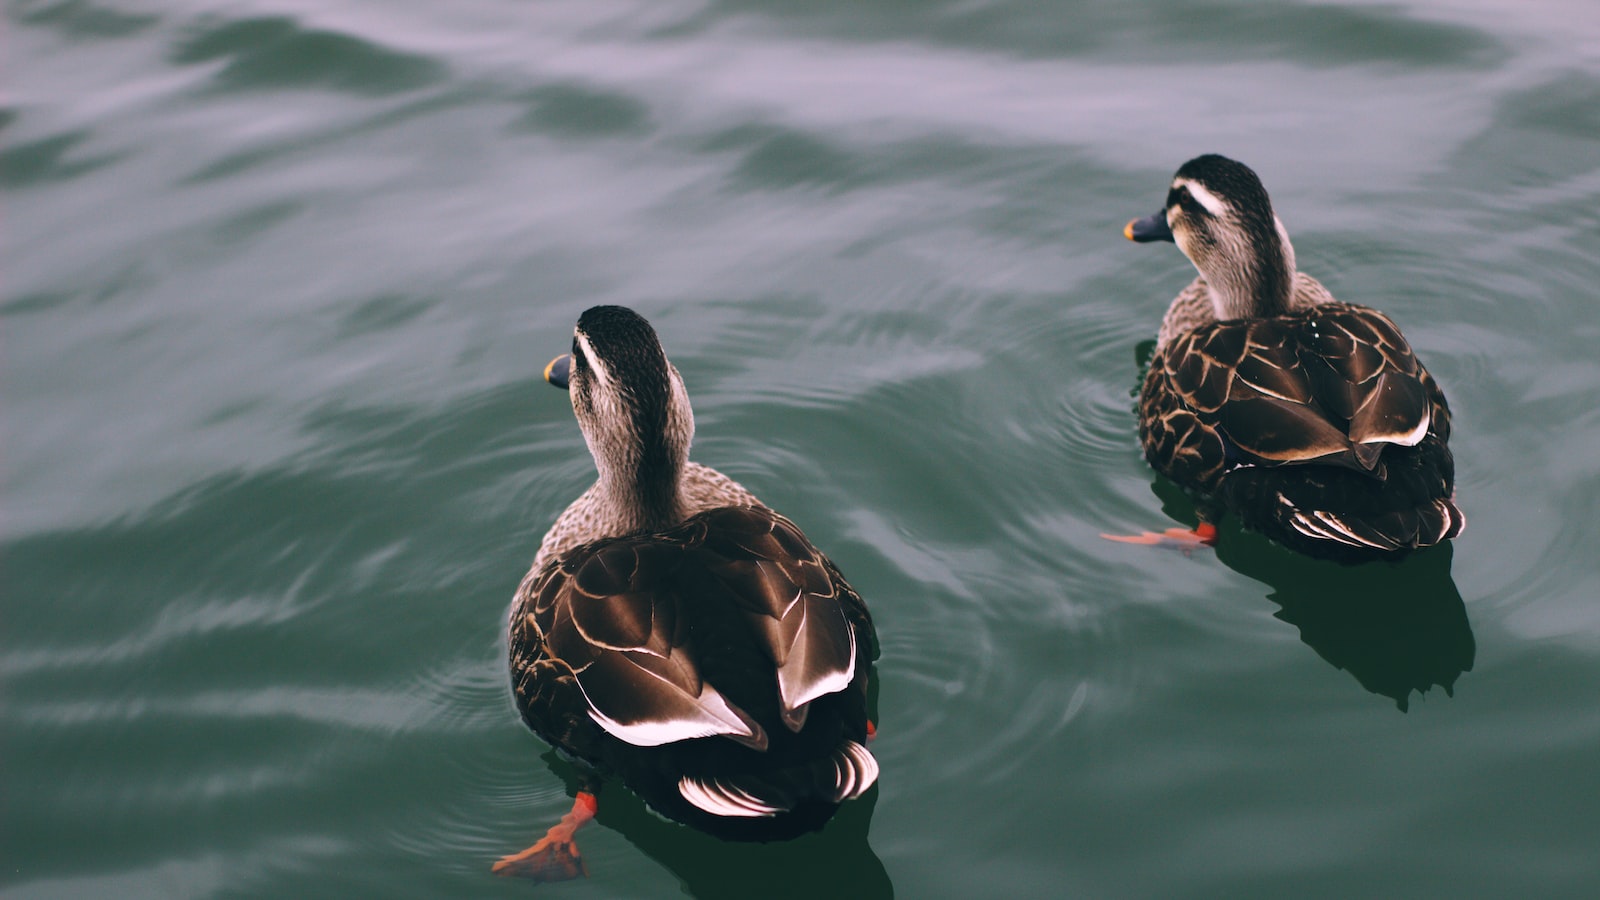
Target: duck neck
644,494
1259,283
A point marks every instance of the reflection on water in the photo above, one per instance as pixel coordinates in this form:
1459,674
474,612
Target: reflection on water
1397,627
833,862
278,279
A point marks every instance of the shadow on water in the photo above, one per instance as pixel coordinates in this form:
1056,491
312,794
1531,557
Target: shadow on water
1397,627
833,862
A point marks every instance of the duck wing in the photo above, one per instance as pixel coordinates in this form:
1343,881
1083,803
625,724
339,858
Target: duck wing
648,624
1330,386
791,596
1320,428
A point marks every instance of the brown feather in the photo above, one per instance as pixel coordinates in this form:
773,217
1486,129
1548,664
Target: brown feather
1310,418
619,611
1329,386
675,632
1394,410
1310,386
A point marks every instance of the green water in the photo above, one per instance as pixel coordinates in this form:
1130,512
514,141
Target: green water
279,278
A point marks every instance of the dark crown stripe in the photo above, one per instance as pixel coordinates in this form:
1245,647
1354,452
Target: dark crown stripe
1239,185
631,352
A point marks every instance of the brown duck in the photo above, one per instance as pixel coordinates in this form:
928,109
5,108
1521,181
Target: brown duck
1310,419
676,633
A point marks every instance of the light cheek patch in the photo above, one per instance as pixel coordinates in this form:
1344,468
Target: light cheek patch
1212,203
596,367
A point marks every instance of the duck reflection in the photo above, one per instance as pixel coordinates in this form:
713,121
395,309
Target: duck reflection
833,862
1397,627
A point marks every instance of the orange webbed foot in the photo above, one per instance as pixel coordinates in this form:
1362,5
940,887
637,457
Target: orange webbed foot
552,859
1184,539
555,857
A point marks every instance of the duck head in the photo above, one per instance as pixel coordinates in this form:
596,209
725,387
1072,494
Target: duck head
1219,215
634,413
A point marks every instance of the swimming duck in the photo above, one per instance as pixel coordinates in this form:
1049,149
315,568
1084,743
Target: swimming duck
676,632
1309,418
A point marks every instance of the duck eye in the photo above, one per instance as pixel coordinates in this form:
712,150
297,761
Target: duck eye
1180,199
1186,201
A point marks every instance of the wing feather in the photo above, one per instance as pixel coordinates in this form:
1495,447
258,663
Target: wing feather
1329,386
618,615
793,603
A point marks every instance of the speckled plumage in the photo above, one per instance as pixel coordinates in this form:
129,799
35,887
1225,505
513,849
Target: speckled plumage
1311,419
1194,306
585,519
675,631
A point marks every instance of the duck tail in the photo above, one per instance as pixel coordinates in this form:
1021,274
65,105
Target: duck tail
1386,533
843,775
1337,513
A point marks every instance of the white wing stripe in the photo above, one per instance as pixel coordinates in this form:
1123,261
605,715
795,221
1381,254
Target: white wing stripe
1406,438
716,718
796,694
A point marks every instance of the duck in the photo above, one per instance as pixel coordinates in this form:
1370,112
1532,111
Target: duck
676,633
1310,419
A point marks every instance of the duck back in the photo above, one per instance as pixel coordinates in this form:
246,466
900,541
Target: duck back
718,668
1320,428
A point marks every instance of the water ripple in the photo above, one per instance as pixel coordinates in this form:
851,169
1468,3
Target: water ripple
279,52
280,280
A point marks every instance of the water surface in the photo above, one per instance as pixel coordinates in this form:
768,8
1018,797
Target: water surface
279,278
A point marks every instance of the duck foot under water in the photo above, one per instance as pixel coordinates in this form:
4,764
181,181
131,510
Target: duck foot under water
1185,539
555,857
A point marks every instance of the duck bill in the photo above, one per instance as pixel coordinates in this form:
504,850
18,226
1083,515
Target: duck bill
559,370
1149,228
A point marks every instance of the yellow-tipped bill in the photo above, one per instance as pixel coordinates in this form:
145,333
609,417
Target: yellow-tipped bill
559,370
1149,228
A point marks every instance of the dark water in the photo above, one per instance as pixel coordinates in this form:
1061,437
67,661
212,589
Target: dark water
279,278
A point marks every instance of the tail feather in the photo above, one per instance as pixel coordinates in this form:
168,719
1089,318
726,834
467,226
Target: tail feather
1350,531
845,774
1454,519
725,797
1388,532
1335,512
